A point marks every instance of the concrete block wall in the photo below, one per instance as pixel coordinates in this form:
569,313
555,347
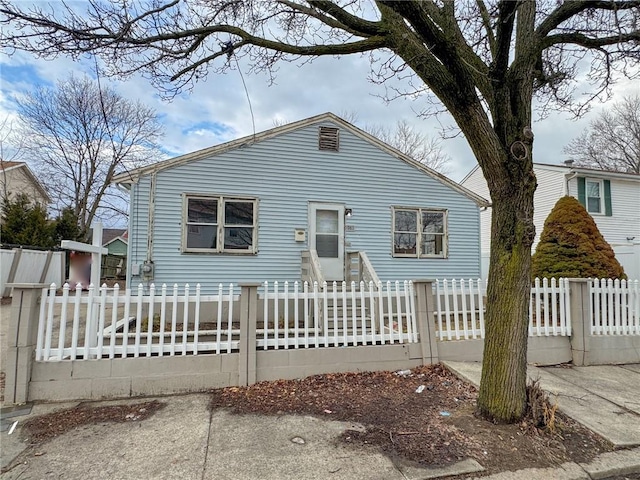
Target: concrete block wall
290,364
130,377
613,349
111,378
540,350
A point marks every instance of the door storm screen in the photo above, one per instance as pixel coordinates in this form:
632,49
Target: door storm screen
326,226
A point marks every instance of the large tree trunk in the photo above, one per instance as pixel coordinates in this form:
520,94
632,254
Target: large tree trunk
503,384
501,140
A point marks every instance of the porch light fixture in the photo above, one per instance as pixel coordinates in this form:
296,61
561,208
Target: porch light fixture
348,212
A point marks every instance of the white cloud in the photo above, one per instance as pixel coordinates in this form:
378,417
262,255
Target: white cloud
327,84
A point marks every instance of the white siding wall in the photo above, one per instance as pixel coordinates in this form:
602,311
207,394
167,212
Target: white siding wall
16,181
625,212
551,187
285,173
625,221
477,183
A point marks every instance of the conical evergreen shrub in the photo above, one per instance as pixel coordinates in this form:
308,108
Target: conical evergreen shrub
572,246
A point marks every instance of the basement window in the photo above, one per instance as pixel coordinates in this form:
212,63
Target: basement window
329,139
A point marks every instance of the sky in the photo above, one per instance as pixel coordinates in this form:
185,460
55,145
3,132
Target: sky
217,110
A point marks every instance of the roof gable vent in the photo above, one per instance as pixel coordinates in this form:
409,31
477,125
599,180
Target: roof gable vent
329,139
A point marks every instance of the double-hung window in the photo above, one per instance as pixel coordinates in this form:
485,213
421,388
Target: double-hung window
594,195
419,232
219,224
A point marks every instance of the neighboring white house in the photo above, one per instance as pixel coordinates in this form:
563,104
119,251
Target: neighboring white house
16,178
612,199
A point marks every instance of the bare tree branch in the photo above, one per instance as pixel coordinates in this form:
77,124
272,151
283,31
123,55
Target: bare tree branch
612,141
79,135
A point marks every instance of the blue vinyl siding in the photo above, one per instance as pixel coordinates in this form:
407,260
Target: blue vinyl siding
285,173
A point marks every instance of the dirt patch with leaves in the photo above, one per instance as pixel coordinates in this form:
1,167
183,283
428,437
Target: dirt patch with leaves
425,415
45,427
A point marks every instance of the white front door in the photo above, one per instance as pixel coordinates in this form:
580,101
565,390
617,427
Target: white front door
326,236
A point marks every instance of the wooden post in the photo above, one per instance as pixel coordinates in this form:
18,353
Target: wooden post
96,256
17,252
96,250
21,338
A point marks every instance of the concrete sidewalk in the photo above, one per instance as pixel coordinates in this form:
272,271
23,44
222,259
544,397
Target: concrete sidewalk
186,440
606,399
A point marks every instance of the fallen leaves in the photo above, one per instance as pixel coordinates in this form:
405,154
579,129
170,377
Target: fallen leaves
424,415
44,427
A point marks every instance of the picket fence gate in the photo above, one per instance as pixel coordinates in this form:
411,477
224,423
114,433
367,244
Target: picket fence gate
338,314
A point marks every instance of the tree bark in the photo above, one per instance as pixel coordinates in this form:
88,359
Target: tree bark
511,184
502,146
503,384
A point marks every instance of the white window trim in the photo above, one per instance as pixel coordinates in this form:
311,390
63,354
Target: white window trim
419,254
221,224
586,195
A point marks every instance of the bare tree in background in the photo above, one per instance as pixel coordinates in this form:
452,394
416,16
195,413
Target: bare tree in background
79,135
483,60
612,141
413,143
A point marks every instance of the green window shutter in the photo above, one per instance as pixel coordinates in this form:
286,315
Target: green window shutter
607,197
581,192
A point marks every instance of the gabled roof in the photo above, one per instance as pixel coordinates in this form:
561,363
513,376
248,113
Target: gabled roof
132,176
111,234
123,239
568,169
7,166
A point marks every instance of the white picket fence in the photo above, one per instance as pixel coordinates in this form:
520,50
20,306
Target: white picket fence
615,307
338,314
178,321
107,322
110,323
461,306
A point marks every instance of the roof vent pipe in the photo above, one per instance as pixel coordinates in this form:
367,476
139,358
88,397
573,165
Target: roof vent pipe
568,163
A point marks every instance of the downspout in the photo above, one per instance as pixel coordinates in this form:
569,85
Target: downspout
147,266
567,178
128,191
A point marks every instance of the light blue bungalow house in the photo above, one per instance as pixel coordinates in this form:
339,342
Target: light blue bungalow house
317,199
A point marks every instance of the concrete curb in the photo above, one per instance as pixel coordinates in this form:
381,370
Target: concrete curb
620,462
463,467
